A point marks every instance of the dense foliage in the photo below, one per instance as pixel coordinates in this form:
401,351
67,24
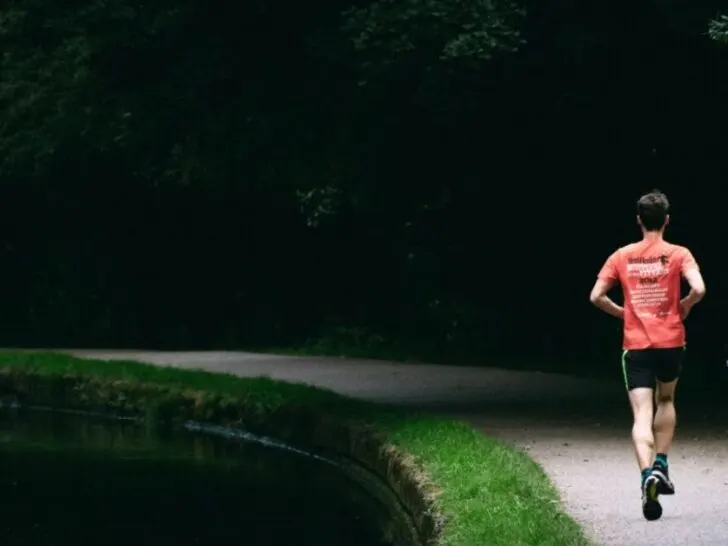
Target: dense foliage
418,173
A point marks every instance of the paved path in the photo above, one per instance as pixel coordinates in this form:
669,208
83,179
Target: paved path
577,429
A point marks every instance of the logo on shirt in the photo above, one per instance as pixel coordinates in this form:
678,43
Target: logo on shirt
648,267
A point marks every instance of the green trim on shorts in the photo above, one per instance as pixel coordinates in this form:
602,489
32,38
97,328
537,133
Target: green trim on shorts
624,368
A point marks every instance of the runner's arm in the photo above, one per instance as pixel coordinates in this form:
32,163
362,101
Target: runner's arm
697,287
608,276
691,273
599,298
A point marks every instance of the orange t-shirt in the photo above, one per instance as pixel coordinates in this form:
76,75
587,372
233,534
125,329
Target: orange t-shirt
650,273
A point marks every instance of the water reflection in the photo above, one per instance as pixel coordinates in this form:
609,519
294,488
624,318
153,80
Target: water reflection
68,480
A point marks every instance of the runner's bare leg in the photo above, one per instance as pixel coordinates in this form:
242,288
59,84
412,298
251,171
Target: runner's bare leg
665,417
641,400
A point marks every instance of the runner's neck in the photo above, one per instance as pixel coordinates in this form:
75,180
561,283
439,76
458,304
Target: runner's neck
652,236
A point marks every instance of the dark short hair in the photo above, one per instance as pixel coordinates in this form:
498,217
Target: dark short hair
652,209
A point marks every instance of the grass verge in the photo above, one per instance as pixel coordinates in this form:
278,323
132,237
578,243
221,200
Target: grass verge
463,488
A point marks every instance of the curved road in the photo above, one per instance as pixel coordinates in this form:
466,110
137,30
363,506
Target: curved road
577,429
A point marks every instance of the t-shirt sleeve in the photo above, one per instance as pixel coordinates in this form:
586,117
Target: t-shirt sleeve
688,262
610,271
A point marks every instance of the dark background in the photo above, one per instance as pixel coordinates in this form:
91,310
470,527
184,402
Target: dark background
415,180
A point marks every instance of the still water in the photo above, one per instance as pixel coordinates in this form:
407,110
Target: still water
69,480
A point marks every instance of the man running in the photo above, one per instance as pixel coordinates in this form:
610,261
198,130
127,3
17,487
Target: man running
650,272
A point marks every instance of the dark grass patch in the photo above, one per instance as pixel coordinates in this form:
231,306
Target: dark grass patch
464,488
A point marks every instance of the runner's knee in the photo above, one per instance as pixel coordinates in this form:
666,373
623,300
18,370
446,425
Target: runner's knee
642,432
665,397
665,393
643,416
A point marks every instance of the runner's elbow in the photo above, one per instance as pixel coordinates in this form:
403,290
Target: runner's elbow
599,290
698,289
697,285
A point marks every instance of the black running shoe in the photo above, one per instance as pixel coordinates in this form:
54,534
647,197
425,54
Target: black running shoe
651,507
665,486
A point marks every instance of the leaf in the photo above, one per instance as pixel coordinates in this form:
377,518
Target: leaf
433,30
718,29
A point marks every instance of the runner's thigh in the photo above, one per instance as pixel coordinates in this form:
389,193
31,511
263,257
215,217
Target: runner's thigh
639,369
670,364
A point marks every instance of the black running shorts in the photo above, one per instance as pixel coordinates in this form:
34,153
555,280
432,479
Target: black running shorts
642,367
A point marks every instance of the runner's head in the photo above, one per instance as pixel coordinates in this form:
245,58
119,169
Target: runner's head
652,211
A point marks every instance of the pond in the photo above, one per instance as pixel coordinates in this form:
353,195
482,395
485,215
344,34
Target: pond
72,480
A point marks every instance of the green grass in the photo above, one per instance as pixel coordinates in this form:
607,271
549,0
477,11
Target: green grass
490,493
